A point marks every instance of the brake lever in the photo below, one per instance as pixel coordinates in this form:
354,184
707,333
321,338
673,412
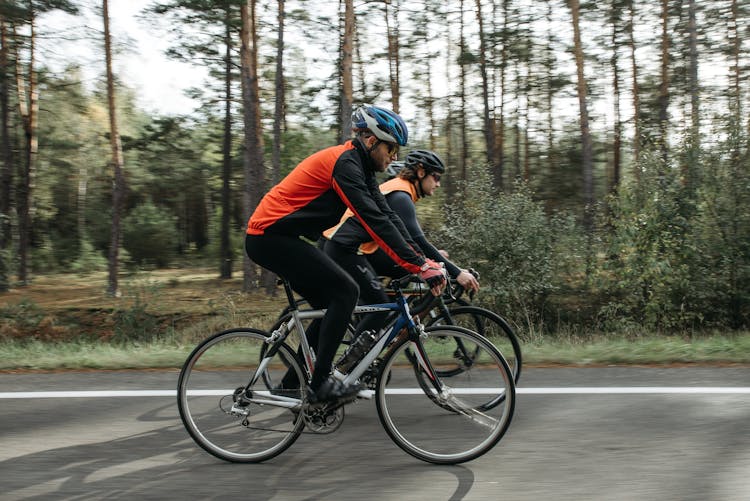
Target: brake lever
476,275
448,284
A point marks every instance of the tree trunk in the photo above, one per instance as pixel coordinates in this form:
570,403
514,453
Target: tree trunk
526,124
517,122
226,254
118,191
489,132
394,63
82,194
255,181
6,174
587,154
280,98
462,96
617,142
551,58
636,95
664,84
689,167
28,105
449,140
430,107
500,138
347,82
738,167
735,92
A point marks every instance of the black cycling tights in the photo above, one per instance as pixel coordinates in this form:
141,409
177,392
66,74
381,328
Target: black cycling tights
370,288
317,278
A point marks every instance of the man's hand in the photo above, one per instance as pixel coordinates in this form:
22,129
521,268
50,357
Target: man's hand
434,274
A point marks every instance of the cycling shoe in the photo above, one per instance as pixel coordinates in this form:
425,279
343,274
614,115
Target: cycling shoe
333,390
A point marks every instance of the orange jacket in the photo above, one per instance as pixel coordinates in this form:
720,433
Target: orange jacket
318,191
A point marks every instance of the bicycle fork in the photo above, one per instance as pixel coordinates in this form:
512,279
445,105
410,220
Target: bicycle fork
421,364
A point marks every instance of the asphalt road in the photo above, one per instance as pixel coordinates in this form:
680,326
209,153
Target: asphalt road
596,433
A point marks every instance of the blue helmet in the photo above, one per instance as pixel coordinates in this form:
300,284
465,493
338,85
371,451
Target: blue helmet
385,124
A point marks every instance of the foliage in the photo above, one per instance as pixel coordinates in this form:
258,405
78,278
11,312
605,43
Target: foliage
511,242
648,268
678,258
150,235
672,250
24,313
136,323
89,259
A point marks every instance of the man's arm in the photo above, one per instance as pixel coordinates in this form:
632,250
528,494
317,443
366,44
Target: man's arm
350,184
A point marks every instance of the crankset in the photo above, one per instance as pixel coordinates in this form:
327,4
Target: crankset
323,419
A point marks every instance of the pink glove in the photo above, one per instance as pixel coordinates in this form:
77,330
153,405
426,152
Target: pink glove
434,274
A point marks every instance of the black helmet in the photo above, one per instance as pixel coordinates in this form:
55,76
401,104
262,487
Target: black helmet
429,160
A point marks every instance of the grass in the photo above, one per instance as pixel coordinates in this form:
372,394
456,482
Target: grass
655,349
22,355
65,322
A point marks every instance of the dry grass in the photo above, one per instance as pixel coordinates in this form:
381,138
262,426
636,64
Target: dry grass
179,291
63,306
60,321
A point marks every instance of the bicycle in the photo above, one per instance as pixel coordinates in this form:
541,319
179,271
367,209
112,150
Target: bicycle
231,405
439,310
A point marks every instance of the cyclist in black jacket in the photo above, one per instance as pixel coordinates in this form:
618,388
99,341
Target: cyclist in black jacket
312,198
350,246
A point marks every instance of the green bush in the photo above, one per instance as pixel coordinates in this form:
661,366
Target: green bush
509,239
89,259
17,320
680,258
150,235
138,323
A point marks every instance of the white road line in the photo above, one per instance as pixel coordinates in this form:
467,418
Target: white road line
604,390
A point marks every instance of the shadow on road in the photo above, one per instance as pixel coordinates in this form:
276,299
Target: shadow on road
164,463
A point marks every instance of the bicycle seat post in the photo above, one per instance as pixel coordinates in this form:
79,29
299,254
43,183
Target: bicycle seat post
289,293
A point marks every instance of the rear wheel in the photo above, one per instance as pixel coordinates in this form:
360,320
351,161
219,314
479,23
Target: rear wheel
225,417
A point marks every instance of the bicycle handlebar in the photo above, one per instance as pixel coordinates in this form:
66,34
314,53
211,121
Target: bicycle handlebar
453,289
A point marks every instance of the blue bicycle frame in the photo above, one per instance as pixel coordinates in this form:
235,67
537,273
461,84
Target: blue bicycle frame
404,321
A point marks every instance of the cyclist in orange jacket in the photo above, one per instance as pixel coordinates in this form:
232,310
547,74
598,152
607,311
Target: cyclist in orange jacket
312,198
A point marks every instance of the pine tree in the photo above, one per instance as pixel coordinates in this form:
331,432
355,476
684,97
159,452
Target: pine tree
118,191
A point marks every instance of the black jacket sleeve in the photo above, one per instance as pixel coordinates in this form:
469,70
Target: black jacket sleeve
401,203
351,185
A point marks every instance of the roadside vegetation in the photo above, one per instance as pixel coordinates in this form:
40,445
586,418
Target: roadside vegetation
616,230
66,322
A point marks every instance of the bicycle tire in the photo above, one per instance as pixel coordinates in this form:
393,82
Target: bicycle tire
213,374
485,323
446,427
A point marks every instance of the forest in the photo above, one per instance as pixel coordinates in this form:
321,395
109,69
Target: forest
598,169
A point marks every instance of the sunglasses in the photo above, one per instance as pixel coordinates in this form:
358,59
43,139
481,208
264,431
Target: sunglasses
436,176
392,147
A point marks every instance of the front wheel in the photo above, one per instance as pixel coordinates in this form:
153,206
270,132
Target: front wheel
438,419
224,414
